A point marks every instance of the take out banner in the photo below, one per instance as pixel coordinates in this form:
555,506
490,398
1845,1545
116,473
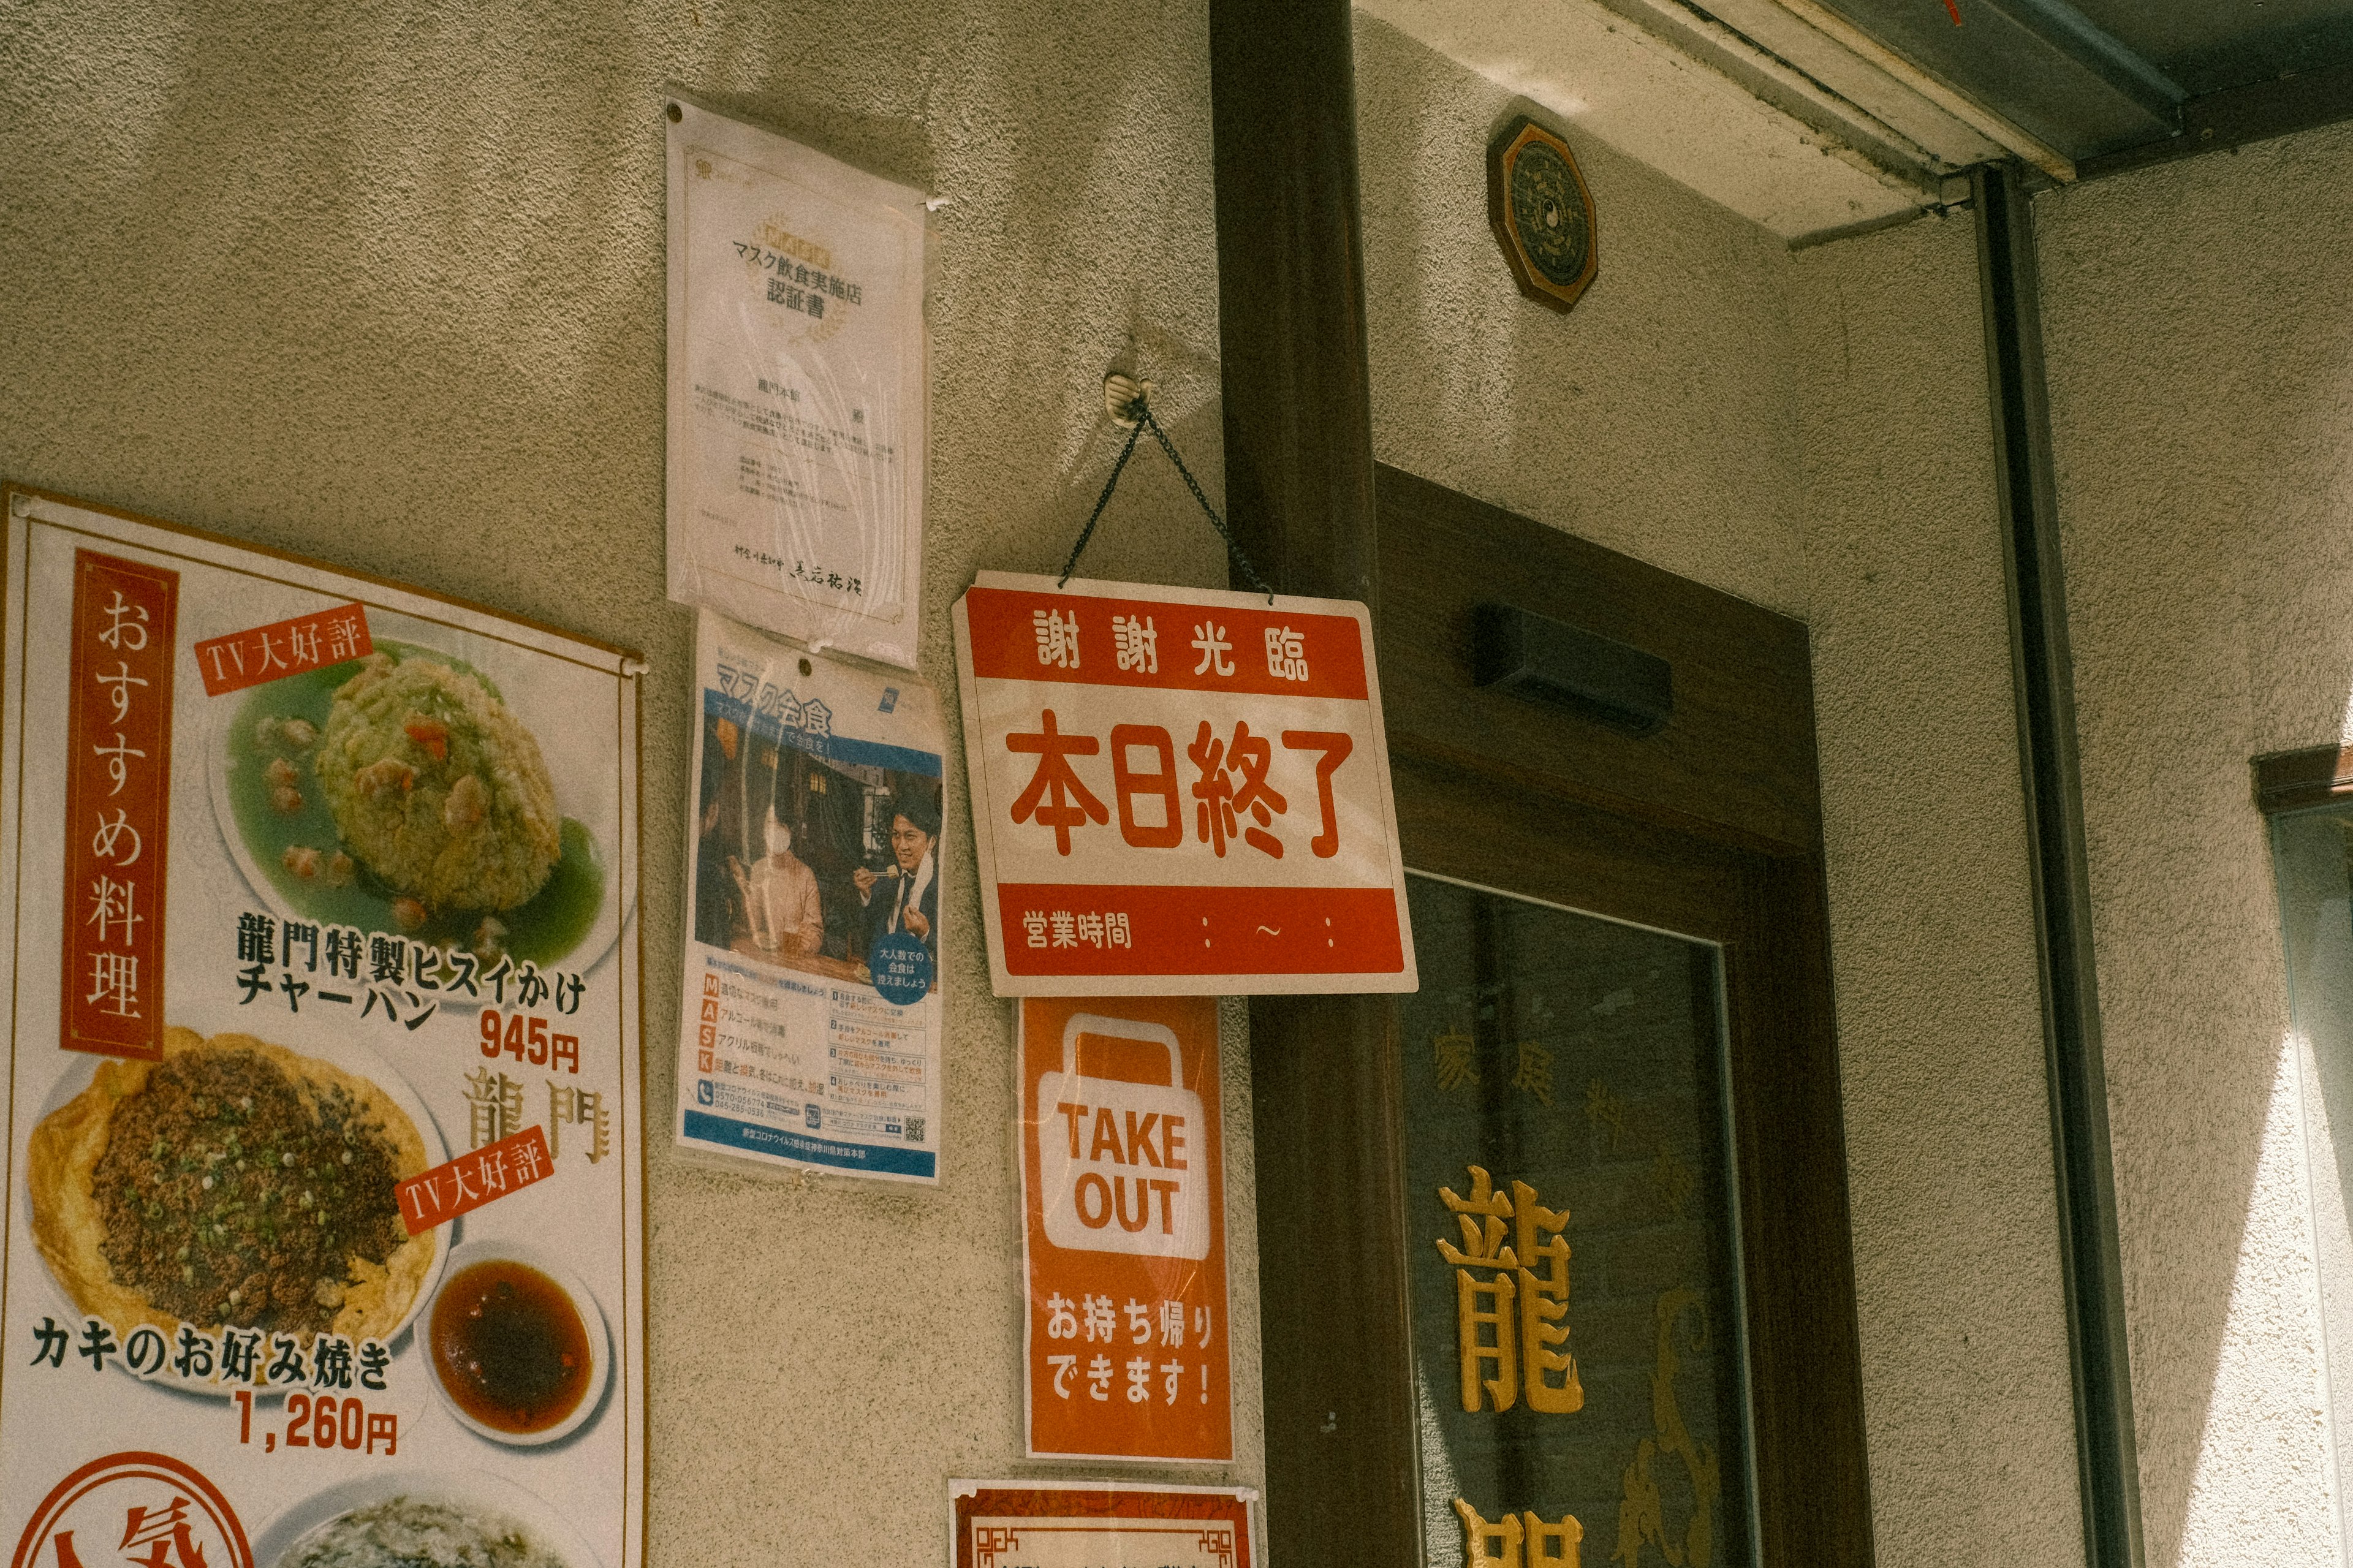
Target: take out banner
1178,791
1123,1167
322,1225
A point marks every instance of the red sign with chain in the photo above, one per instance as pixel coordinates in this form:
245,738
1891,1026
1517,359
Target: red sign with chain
1178,791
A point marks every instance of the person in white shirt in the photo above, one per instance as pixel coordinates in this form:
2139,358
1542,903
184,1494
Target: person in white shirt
781,896
906,898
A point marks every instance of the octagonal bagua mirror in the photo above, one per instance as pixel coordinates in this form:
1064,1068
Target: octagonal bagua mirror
1542,213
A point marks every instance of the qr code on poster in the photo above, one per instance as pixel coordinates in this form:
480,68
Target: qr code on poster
914,1130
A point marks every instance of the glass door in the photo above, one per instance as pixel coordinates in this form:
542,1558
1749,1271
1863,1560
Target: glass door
1572,1245
1554,1257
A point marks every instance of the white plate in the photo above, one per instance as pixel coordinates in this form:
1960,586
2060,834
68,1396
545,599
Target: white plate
584,791
592,1322
360,1062
470,1489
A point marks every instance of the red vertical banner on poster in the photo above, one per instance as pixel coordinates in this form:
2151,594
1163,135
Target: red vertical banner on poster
1123,1172
117,806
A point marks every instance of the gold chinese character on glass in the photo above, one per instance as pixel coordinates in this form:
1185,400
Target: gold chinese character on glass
1519,1291
1457,1067
1641,1517
1518,1539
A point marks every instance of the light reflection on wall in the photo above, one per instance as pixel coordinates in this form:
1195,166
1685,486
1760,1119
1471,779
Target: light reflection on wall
2303,1177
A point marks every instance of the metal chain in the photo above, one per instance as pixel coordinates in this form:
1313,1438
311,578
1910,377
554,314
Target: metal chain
1141,411
1102,501
1250,573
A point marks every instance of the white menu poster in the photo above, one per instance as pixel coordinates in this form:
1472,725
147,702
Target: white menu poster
796,389
809,1034
323,1215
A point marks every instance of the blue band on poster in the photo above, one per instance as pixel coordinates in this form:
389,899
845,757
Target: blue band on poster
901,967
820,743
727,1132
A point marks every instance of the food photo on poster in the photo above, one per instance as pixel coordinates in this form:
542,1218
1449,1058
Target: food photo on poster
324,1240
811,1038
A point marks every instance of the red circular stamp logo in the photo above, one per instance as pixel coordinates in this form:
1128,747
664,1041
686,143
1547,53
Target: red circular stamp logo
133,1511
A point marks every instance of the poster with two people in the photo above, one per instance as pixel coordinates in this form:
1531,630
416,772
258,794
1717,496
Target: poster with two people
810,1031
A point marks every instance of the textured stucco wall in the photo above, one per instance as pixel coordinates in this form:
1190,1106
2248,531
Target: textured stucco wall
386,287
383,285
1940,1036
1657,418
2201,375
1810,432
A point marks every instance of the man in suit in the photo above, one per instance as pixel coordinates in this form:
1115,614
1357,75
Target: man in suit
907,897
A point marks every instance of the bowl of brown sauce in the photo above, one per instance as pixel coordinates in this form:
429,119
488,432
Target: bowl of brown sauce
518,1351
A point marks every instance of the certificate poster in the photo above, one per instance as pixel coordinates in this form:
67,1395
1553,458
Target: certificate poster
322,1222
796,389
1098,1524
1123,1240
809,1035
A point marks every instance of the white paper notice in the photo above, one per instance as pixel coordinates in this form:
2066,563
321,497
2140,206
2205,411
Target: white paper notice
796,391
810,1032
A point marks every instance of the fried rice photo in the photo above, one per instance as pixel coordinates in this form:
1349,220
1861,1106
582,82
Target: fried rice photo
233,1183
419,1532
436,787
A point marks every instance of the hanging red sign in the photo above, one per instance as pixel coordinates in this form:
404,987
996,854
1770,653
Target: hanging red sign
1178,791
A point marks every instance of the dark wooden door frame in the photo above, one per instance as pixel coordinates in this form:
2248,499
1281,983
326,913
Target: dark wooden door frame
1709,827
1764,915
1290,294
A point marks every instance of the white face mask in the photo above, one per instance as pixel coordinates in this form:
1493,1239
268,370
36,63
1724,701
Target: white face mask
780,838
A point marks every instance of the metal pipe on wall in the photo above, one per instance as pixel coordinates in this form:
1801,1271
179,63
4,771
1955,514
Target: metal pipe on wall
2042,678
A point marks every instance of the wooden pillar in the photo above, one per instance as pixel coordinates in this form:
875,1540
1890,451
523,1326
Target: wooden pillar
1299,487
1291,293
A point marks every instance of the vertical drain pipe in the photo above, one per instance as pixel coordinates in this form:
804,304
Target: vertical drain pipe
2043,679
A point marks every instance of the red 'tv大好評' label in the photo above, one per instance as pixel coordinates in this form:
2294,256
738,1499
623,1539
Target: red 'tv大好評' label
281,648
441,1194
